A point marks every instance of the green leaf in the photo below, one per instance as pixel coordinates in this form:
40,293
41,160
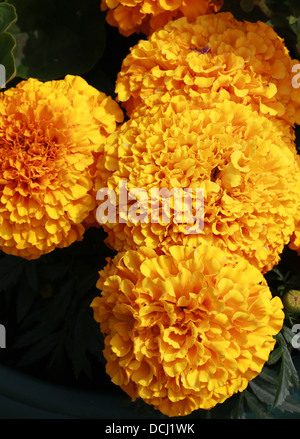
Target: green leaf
288,376
288,335
7,43
7,16
275,356
257,408
266,391
238,411
58,37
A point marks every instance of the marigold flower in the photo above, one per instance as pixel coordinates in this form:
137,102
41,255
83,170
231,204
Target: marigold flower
149,15
295,238
50,136
186,330
214,53
244,162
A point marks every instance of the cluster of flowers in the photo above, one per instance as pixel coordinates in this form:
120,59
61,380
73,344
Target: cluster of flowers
188,319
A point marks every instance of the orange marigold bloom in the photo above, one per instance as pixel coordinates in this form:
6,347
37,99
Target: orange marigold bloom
186,330
212,54
244,162
295,238
50,135
149,15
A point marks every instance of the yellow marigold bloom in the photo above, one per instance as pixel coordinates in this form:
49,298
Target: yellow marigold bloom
149,15
295,239
244,162
187,330
212,54
50,135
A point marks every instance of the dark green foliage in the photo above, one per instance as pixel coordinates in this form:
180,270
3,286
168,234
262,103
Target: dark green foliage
57,37
7,42
49,301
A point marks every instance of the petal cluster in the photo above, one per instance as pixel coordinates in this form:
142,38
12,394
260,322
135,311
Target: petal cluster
185,330
51,135
187,316
149,15
215,53
244,163
295,238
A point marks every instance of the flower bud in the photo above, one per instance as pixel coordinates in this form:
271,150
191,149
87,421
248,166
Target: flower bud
291,301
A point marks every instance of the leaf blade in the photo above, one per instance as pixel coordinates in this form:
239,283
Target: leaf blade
288,376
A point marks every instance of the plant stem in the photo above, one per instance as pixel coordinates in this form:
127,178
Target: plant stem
266,10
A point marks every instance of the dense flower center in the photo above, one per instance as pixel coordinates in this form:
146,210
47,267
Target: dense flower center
28,158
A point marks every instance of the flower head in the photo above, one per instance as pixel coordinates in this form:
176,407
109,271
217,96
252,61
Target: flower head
186,330
244,163
295,238
212,54
50,136
149,15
